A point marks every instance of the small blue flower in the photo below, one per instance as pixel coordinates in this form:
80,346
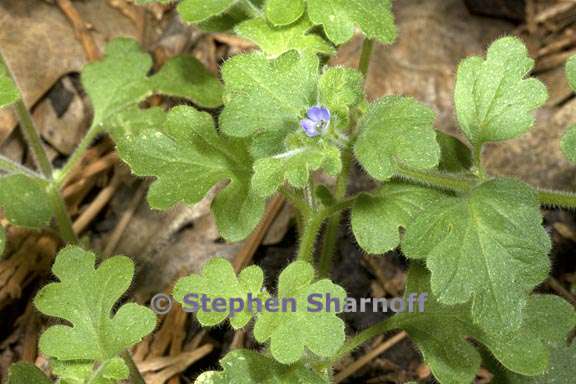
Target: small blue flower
317,122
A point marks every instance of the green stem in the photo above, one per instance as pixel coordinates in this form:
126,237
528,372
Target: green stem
33,139
312,225
76,156
557,199
365,56
61,214
8,165
135,375
437,179
362,337
477,156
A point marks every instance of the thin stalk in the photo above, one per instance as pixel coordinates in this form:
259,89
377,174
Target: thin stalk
10,166
477,156
557,198
312,225
437,179
63,221
135,375
63,174
365,56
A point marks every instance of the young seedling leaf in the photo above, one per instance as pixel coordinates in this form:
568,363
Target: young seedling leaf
339,17
377,217
455,156
284,12
296,327
188,157
396,131
85,297
487,247
25,201
571,72
26,373
267,96
493,98
440,332
247,367
121,80
219,281
8,91
275,41
303,155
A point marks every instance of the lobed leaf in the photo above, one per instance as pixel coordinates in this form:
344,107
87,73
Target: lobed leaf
188,157
218,280
121,80
267,96
441,333
487,247
284,12
377,217
493,98
275,41
341,88
26,373
195,11
247,367
25,201
396,131
320,332
85,297
302,157
8,91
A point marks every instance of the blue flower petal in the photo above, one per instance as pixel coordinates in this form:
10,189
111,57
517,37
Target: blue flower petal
309,127
319,114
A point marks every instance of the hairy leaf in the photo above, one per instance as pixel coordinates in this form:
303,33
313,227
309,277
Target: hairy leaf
303,156
218,280
339,17
267,96
25,201
194,11
26,373
440,332
85,297
291,332
81,371
247,367
188,157
120,80
568,144
455,155
487,247
492,97
396,131
8,90
377,217
341,88
275,41
284,12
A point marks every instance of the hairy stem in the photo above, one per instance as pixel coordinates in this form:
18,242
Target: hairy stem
310,231
437,179
557,199
362,337
365,56
135,375
63,174
63,221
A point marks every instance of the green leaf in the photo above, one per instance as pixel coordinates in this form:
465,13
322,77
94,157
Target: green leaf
228,20
568,144
26,373
25,201
303,156
82,371
377,217
284,12
121,80
275,41
441,333
374,17
267,96
571,71
341,88
487,247
492,97
194,11
188,157
455,155
85,297
8,91
561,370
396,131
247,367
218,280
290,332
